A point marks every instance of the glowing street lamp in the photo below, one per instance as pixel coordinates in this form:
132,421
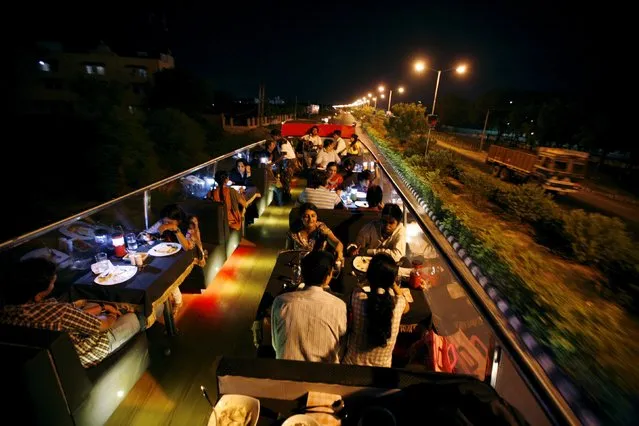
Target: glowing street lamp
420,66
400,89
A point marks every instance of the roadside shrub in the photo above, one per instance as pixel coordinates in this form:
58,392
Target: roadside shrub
549,232
479,185
598,239
623,282
415,146
528,202
444,161
416,161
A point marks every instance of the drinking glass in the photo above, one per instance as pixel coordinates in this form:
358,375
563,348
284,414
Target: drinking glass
102,262
337,269
131,242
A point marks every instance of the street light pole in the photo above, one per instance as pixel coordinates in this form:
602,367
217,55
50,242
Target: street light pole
439,74
483,132
390,96
432,111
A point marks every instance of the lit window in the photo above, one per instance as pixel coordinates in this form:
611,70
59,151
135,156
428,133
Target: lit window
44,66
94,69
138,71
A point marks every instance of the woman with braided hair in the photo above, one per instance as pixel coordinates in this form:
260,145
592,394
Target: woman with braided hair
377,309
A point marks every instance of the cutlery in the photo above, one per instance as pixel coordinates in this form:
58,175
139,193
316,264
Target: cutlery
206,395
105,273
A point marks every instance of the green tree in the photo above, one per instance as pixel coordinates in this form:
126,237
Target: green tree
407,120
122,154
180,141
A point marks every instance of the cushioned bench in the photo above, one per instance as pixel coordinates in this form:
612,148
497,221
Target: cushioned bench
260,178
435,398
44,377
345,224
217,237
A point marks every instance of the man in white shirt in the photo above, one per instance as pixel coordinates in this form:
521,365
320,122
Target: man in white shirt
340,145
310,324
312,144
386,235
327,155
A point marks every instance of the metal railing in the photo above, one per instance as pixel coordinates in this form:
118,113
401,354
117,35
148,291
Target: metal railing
538,383
142,191
544,391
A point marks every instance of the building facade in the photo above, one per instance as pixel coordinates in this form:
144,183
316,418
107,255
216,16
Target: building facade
56,70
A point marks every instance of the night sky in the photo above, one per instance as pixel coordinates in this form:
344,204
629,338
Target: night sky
332,53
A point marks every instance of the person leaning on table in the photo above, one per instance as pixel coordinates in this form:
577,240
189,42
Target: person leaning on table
96,331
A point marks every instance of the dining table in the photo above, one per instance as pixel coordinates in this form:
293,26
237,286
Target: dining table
342,286
150,287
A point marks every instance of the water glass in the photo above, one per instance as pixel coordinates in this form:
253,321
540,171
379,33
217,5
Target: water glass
131,242
337,269
102,262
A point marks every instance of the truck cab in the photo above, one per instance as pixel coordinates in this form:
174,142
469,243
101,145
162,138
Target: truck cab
560,170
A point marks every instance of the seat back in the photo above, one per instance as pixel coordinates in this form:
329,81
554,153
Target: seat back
48,368
345,224
260,177
218,239
51,382
211,215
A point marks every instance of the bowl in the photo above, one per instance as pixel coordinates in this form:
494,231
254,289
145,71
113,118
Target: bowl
300,419
231,402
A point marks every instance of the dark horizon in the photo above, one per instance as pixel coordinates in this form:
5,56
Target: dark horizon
347,50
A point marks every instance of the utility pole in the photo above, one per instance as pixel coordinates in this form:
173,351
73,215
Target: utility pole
483,132
261,105
439,74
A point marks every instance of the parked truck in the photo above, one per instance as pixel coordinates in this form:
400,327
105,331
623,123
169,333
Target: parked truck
557,170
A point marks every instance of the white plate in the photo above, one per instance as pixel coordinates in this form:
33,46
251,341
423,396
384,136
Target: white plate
251,405
117,275
300,419
165,249
363,204
361,195
53,255
80,230
361,263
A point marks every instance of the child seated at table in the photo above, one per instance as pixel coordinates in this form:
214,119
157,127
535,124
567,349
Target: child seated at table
175,226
